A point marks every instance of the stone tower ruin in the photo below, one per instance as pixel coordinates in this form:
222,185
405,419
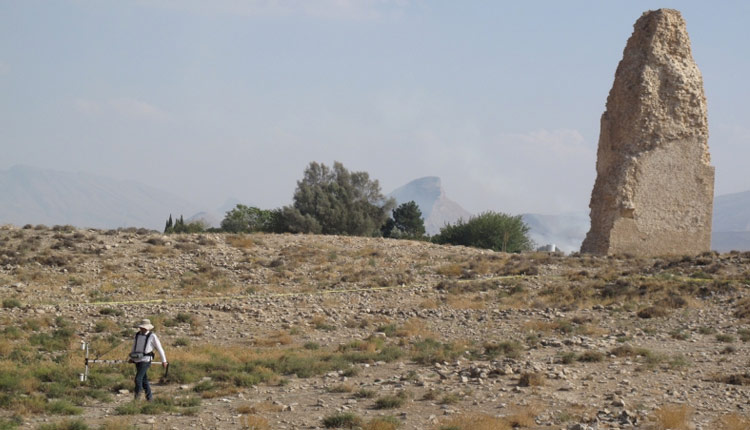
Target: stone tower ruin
654,186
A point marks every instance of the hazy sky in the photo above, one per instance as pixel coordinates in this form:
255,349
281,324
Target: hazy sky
230,98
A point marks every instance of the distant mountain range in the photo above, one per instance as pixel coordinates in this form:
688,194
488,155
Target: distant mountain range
30,195
731,222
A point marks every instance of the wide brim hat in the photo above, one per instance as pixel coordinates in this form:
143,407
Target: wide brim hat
145,323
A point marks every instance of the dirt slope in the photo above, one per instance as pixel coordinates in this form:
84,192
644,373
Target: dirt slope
427,336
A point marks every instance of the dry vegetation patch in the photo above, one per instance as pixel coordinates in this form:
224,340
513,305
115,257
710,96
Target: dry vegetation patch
266,320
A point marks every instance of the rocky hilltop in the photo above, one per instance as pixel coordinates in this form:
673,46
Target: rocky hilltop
303,331
437,209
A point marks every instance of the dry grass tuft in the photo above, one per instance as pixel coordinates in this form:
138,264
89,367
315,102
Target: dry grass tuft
652,312
116,424
159,250
475,422
520,417
673,417
734,379
381,424
733,421
274,339
248,409
414,327
240,241
742,308
429,303
529,379
452,270
523,416
254,422
466,302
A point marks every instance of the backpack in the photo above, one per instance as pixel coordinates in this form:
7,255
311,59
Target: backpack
138,355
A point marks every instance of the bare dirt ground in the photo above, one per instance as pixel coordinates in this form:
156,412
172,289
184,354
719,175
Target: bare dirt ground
430,337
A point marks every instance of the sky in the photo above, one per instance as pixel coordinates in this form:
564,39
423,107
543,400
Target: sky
222,99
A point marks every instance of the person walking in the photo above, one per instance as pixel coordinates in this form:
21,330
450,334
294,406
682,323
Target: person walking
142,353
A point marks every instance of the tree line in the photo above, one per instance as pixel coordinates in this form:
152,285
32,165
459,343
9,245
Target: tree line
336,201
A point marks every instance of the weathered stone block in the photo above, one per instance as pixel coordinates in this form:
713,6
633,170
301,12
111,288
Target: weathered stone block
654,187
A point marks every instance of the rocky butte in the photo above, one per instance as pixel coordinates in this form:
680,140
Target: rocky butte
654,187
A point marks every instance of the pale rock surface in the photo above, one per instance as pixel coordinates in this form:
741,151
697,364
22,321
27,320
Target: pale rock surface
437,209
654,188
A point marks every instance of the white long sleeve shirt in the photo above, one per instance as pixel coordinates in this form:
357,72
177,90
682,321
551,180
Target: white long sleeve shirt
153,343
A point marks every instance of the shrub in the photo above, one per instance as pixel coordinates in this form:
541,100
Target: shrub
652,312
11,303
63,407
344,420
510,349
111,311
181,341
10,424
490,230
65,425
591,357
430,351
568,357
450,399
183,318
364,393
529,379
391,401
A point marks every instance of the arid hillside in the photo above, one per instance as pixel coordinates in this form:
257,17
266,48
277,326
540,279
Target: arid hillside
303,332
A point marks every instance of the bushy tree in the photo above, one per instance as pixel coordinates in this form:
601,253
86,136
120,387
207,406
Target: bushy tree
407,222
290,220
490,230
245,219
336,201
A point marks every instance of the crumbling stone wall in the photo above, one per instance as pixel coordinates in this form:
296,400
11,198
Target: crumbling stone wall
654,187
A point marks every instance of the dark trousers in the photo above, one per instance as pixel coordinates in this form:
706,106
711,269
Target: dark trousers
141,379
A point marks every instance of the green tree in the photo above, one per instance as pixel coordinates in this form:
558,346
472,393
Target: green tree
245,219
490,230
168,225
336,201
180,226
407,222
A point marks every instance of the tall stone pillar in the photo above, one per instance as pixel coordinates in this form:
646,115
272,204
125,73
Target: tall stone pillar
654,186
